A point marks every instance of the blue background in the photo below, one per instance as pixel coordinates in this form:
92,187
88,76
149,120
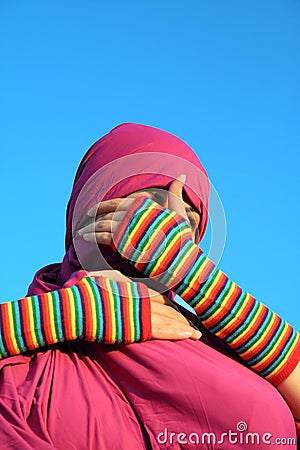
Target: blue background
222,75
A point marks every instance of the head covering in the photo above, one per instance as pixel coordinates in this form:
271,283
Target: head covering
130,157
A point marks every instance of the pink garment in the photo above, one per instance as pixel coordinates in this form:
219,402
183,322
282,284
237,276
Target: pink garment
85,396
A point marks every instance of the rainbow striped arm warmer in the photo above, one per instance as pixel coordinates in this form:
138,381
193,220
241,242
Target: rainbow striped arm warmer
158,242
95,309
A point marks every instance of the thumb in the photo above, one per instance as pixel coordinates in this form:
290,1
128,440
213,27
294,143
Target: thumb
175,201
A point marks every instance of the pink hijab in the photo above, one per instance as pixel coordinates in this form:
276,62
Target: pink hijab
129,158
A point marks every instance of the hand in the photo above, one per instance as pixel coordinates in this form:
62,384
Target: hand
167,323
107,215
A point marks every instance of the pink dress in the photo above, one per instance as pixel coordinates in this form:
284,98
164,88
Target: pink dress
152,395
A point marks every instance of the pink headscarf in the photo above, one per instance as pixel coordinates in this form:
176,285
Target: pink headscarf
129,158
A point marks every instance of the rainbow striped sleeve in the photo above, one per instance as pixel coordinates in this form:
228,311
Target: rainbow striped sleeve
159,243
95,309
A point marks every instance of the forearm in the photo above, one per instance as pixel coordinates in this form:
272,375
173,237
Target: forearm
267,343
263,340
95,309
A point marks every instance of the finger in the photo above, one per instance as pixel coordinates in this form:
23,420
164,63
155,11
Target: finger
175,201
101,238
112,205
112,274
167,328
103,224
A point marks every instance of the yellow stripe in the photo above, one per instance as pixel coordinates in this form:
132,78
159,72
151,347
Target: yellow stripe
278,368
131,319
93,318
51,319
71,301
12,328
112,312
31,320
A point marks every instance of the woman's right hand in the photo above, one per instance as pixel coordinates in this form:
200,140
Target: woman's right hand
166,322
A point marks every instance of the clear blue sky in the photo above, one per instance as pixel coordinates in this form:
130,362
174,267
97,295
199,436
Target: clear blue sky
222,75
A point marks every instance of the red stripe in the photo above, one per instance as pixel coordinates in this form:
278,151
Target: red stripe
45,319
106,312
27,324
67,314
88,312
125,320
7,328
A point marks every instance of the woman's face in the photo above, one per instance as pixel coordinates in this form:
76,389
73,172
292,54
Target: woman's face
161,196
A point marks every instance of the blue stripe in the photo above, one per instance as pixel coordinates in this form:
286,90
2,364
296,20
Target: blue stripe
57,301
37,320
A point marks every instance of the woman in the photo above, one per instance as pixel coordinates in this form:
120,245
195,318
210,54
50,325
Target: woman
161,393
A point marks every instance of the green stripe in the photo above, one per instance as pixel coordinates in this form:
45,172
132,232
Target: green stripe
17,327
37,321
52,300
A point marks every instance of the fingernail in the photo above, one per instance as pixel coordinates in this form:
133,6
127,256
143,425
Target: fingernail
92,211
182,178
88,237
197,334
187,334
